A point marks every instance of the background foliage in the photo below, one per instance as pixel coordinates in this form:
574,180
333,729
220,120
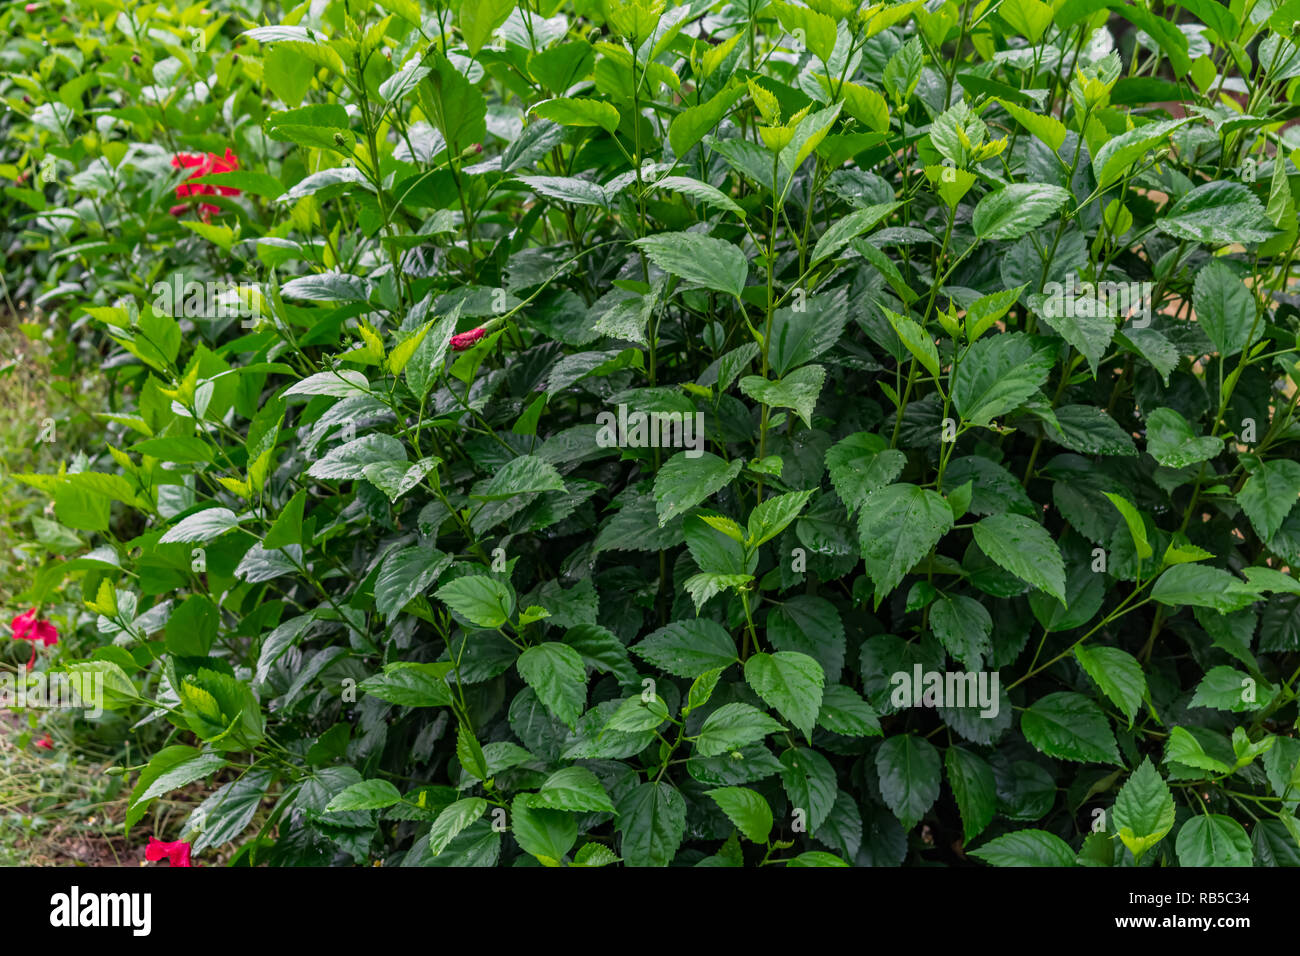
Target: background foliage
379,590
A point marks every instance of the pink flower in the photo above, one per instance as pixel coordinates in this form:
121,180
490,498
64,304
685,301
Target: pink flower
464,340
45,743
31,8
176,853
27,628
203,165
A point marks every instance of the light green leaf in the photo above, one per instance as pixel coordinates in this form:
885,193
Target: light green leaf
747,810
791,683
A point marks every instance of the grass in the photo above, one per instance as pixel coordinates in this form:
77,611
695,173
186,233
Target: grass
57,806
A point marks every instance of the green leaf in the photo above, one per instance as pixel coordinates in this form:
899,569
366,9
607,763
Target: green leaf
899,525
405,574
685,481
974,788
996,375
1185,749
963,627
1225,308
1199,585
287,528
529,474
410,684
1013,210
1226,688
791,683
182,773
193,627
572,788
697,258
842,231
1023,547
1213,840
861,464
732,726
455,106
579,112
816,858
1046,128
452,820
1120,152
177,449
396,478
224,815
555,671
1218,212
366,795
809,781
1089,430
1137,529
917,341
1071,727
798,390
800,335
1118,674
483,601
1144,810
1083,322
201,527
844,712
347,462
772,516
693,123
747,810
1269,495
909,776
1026,848
700,192
479,19
636,714
688,648
651,823
547,835
1171,441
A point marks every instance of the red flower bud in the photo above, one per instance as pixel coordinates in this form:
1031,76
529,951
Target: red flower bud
464,340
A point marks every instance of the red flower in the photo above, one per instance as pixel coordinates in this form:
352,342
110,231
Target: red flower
204,165
464,340
46,742
27,628
176,853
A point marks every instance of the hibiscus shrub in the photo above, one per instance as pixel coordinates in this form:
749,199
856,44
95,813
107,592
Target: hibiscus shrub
715,434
